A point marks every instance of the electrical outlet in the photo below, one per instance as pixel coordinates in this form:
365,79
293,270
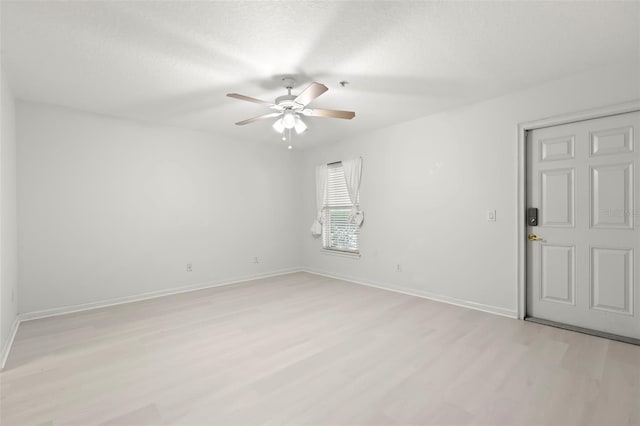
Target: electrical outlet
189,267
398,268
491,215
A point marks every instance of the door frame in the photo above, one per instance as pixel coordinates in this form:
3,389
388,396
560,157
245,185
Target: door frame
523,129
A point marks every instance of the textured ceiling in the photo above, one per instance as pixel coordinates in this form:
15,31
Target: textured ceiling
173,62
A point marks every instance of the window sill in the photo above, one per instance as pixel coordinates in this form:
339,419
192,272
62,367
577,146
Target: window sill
340,253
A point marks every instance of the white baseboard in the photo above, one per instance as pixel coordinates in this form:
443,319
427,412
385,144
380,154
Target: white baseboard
511,313
151,295
9,343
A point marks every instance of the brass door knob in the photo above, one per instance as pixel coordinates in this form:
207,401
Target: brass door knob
534,237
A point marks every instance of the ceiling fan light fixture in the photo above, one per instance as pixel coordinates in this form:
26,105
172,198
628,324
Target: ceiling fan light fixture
299,125
289,120
278,126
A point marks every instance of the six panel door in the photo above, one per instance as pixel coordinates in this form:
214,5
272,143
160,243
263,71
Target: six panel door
584,179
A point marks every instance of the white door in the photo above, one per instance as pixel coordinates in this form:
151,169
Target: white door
583,177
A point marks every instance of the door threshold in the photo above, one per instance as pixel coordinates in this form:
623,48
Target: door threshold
596,333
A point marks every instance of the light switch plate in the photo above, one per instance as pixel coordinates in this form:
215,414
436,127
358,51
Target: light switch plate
491,215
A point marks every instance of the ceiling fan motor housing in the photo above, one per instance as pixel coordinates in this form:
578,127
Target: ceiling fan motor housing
287,101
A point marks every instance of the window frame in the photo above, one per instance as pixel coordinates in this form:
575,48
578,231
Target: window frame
326,211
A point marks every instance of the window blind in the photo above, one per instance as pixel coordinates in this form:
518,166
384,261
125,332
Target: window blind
338,233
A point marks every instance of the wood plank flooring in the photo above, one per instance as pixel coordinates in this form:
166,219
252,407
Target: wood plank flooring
303,349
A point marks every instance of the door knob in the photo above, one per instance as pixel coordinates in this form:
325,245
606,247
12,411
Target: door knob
534,237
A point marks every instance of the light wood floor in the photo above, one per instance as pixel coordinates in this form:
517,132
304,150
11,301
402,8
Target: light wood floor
304,349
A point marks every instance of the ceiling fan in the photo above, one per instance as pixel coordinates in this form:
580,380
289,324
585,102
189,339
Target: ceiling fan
290,107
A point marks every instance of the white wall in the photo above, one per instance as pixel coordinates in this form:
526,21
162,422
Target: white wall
111,208
8,219
428,183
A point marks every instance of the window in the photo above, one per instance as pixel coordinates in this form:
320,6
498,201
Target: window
337,233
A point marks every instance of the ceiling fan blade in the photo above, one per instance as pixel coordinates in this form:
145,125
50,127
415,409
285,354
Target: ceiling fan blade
310,93
250,99
333,113
260,117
